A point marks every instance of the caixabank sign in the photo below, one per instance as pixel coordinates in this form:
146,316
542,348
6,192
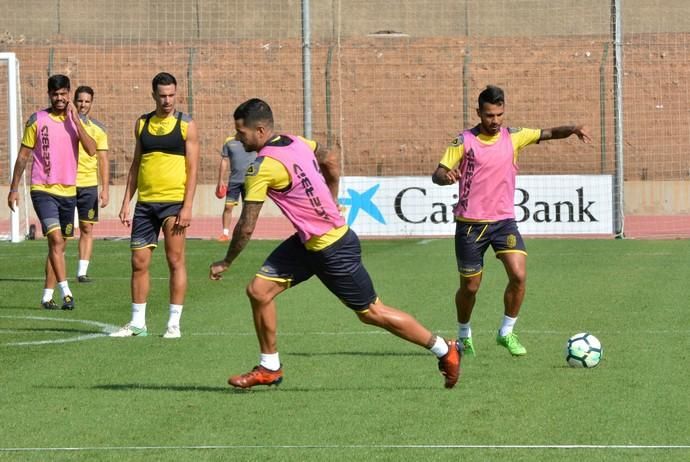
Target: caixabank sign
544,204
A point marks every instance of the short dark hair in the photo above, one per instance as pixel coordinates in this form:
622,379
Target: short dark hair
58,82
83,89
163,78
491,95
253,111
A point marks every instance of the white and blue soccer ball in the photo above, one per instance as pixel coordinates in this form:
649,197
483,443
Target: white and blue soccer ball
583,350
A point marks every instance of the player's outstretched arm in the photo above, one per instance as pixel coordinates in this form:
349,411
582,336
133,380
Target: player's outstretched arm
241,236
557,133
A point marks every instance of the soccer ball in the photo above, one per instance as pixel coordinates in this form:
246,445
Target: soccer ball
583,350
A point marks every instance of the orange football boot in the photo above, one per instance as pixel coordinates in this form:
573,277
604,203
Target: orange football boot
449,365
258,376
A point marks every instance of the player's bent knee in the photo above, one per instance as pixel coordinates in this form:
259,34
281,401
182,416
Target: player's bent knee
261,291
370,315
366,318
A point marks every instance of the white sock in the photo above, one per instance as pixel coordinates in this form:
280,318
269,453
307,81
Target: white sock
226,232
47,295
464,330
64,288
175,315
507,326
440,347
83,266
138,315
270,361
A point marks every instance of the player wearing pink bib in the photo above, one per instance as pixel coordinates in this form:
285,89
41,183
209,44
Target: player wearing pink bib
302,179
51,137
483,162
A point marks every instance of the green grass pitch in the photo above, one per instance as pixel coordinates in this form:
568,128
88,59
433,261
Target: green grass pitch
351,392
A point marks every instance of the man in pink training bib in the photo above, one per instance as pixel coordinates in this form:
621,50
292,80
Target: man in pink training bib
483,162
52,138
302,179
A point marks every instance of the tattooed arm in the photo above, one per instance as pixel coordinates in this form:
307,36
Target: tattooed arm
240,237
557,133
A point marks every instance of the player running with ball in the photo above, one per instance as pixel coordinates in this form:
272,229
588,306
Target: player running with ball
483,162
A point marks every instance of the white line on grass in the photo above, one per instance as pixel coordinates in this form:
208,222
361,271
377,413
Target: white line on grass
105,330
358,446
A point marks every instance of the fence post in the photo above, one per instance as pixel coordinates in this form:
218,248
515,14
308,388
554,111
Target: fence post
618,197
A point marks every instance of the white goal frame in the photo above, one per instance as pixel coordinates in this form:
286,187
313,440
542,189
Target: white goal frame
17,234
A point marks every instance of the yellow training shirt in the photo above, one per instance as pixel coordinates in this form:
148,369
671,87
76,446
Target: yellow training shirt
163,174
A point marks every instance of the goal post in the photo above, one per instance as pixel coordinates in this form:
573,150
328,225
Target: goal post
16,228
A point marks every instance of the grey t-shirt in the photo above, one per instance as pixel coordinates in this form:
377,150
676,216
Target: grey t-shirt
239,159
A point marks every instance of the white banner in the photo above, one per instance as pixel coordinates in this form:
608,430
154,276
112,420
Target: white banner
414,206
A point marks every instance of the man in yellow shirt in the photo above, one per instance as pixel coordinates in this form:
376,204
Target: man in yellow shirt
89,170
163,173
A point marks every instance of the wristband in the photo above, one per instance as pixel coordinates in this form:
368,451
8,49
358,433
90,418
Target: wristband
14,190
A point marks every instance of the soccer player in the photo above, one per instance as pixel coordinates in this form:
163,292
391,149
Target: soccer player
235,159
88,172
52,137
483,161
302,179
163,171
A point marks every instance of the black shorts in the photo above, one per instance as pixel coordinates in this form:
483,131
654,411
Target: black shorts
87,204
148,220
339,266
235,191
473,239
54,212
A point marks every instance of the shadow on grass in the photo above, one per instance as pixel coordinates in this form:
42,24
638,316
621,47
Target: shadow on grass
126,387
141,386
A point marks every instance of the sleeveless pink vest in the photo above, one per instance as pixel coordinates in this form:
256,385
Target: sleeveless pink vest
308,204
487,182
56,152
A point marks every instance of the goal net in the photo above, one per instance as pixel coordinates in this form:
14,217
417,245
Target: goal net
388,85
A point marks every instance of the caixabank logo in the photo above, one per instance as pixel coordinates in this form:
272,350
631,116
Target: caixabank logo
356,202
544,204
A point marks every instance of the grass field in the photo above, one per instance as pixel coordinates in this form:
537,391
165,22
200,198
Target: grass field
351,392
